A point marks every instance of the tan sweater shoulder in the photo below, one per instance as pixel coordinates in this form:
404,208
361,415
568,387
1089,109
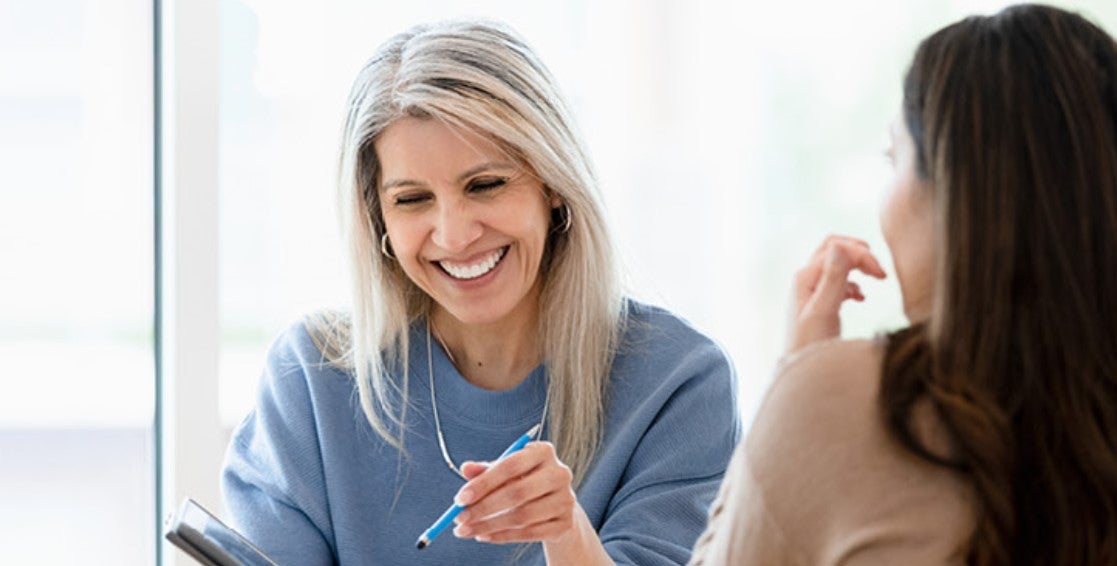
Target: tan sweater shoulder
820,481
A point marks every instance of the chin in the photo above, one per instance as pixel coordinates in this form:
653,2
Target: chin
477,314
917,313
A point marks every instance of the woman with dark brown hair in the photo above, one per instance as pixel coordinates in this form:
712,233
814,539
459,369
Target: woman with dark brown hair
985,432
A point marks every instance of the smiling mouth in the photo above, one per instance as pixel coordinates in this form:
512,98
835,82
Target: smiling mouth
467,271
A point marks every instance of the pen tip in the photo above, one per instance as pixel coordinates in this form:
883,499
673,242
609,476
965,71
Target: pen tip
421,544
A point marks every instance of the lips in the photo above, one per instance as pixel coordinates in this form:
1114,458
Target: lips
474,269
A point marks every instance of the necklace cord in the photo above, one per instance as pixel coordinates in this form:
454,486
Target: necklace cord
434,405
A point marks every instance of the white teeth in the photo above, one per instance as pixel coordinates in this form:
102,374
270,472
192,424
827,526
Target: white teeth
473,271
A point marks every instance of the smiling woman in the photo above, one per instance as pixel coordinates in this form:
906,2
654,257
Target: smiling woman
473,221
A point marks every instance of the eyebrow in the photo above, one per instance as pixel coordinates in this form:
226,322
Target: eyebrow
484,167
465,175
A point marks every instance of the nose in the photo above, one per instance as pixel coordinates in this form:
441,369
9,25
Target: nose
455,227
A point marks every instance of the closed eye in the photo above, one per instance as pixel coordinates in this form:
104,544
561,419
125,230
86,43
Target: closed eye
410,198
485,184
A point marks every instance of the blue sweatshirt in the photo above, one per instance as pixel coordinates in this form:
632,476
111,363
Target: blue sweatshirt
310,483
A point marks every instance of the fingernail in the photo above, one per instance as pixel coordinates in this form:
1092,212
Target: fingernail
462,532
464,497
484,538
462,517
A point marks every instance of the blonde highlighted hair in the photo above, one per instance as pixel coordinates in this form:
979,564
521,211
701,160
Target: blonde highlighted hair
480,77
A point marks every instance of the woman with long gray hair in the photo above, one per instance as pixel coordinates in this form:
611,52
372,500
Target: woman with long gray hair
486,303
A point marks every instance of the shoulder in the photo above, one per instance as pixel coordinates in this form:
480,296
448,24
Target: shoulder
660,350
647,321
663,363
313,338
834,375
297,367
830,474
314,342
654,331
820,408
297,389
670,385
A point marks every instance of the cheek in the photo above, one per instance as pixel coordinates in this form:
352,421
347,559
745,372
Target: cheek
533,231
405,241
905,209
905,222
889,211
398,237
530,220
542,226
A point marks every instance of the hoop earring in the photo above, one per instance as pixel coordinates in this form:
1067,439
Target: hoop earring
567,219
384,247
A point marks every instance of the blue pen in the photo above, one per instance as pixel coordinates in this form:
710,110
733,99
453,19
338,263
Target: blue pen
448,517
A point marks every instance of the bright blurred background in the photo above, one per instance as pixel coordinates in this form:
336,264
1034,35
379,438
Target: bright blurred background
729,137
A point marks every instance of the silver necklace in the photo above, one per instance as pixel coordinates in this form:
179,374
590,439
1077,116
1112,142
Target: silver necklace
434,404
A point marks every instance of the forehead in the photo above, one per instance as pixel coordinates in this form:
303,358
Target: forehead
427,147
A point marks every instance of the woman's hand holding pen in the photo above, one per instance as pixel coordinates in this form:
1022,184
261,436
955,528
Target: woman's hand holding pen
525,497
823,285
528,497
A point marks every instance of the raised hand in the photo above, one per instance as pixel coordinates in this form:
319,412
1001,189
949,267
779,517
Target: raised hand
823,285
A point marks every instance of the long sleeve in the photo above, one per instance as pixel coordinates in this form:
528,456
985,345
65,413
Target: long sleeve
273,480
689,422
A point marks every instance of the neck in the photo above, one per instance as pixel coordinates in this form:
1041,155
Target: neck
494,356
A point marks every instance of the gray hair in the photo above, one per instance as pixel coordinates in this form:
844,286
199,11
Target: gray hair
481,77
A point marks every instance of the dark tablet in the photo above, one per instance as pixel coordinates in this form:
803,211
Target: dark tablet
209,541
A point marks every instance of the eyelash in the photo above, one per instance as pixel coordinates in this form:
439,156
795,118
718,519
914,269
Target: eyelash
483,185
405,200
476,186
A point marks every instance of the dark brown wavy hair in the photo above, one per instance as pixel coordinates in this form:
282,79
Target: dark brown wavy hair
1014,117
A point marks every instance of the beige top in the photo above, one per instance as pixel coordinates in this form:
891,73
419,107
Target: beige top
818,480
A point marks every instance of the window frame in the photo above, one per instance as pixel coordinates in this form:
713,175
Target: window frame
189,439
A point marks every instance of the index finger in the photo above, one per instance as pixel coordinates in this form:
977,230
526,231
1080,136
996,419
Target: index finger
865,262
519,464
838,240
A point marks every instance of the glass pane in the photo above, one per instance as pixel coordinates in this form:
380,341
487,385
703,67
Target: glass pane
729,137
280,253
76,457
